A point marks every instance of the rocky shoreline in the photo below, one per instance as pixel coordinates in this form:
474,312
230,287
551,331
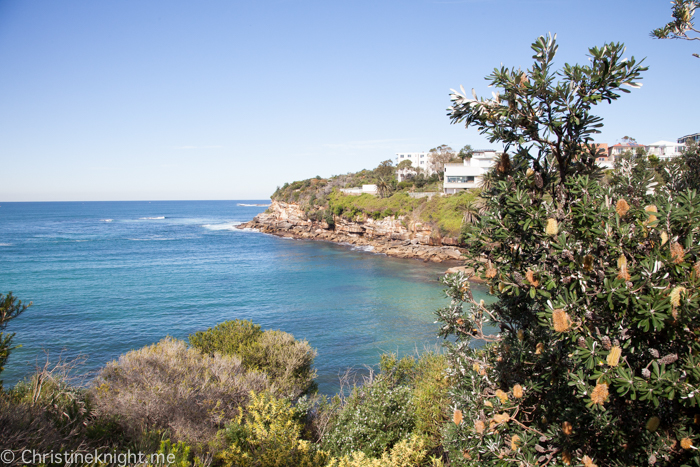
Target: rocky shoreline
391,236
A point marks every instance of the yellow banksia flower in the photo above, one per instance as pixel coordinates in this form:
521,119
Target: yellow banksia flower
566,457
651,208
521,335
587,263
502,396
488,404
622,266
501,418
677,253
552,227
696,269
561,320
490,271
479,426
532,278
676,296
476,367
600,394
457,417
622,207
539,348
653,424
567,428
614,356
514,442
686,443
588,462
664,238
517,391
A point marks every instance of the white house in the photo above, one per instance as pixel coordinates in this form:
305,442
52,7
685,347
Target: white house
665,150
687,138
418,160
462,176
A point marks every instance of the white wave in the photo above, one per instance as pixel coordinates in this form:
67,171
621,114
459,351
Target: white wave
5,244
363,248
254,205
225,226
106,220
151,218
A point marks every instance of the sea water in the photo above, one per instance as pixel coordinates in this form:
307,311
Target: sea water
109,277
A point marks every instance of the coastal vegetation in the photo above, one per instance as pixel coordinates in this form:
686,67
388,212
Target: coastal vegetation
589,355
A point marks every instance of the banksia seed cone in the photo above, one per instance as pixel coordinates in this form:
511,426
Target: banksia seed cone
606,342
567,428
668,359
622,207
532,278
552,227
677,253
653,424
676,296
664,238
561,320
539,183
614,356
686,443
599,394
581,342
518,278
457,417
517,391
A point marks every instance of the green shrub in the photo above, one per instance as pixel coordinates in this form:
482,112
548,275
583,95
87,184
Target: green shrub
268,434
174,389
596,357
286,361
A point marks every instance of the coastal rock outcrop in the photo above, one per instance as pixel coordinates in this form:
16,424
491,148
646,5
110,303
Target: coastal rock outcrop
392,236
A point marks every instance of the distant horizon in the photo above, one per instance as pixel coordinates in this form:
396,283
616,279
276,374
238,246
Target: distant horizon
131,200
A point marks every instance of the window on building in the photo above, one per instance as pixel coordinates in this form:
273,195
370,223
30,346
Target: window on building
460,179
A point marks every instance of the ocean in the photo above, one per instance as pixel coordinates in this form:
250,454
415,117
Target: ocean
109,277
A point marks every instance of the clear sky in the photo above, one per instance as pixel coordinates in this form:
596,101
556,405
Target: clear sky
225,99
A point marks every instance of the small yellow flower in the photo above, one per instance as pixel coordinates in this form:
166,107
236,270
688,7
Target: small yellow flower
561,320
566,457
457,416
488,404
622,207
490,271
502,396
552,227
479,426
677,253
664,238
539,348
614,356
653,424
514,442
567,428
517,391
521,335
686,443
476,367
676,296
599,394
588,462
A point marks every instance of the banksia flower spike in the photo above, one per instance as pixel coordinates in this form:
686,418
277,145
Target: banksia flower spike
490,271
561,320
514,442
517,391
479,426
502,396
588,263
677,253
457,417
605,340
567,428
664,238
686,443
614,356
532,278
588,462
676,296
552,227
600,394
622,266
539,348
622,207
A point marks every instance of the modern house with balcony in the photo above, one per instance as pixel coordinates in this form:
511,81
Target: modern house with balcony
665,150
466,175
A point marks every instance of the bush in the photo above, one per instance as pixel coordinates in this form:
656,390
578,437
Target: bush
286,361
168,387
268,435
596,357
406,453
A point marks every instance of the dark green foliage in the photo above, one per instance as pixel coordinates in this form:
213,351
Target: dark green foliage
286,361
10,308
596,284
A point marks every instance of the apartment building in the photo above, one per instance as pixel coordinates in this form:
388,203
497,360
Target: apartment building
418,160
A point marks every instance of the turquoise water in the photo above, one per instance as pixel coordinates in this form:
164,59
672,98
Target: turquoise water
109,277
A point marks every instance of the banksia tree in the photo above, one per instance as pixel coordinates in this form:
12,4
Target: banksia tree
593,359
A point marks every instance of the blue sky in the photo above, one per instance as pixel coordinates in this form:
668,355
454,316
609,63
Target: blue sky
129,100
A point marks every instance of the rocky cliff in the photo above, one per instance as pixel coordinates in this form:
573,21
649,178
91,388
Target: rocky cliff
397,237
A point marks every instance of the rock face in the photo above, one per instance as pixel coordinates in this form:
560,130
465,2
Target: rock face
389,235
